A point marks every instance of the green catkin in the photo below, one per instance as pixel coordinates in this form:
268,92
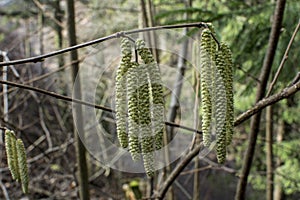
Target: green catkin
12,156
147,140
133,111
207,51
22,163
220,107
156,93
121,101
229,92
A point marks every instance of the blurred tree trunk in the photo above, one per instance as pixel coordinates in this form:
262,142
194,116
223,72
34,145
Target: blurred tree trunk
197,137
144,21
261,89
153,37
278,185
41,34
78,115
269,153
58,15
147,20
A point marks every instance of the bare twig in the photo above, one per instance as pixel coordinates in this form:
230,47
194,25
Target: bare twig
5,193
248,74
69,99
41,7
41,58
51,150
285,93
177,170
284,59
55,95
183,190
44,75
44,127
196,170
258,107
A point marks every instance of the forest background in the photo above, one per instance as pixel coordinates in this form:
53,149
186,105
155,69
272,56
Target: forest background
264,41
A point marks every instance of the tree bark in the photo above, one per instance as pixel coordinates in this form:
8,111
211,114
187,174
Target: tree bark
58,15
269,153
78,114
264,76
153,37
41,34
278,185
144,20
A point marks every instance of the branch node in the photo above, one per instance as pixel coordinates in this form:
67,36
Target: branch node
120,34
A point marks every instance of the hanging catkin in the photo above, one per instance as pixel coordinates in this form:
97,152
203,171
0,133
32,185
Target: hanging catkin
147,139
220,107
216,71
229,92
121,101
22,163
207,50
12,156
16,159
156,93
133,110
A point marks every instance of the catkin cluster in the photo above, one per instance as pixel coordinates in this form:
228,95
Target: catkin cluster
216,71
139,104
16,159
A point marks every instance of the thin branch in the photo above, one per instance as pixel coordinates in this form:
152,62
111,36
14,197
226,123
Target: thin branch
258,107
295,80
260,94
284,59
285,93
196,170
41,58
248,74
177,170
57,96
69,99
44,127
5,193
51,150
42,8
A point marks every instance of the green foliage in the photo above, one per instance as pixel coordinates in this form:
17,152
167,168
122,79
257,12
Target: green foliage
288,172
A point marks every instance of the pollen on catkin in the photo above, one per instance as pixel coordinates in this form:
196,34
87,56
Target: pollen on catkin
147,139
121,96
133,111
22,163
220,107
207,50
12,156
229,92
156,93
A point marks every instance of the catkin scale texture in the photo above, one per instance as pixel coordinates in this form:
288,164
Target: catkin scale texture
12,156
207,49
133,111
216,73
229,92
22,163
220,107
156,93
147,140
121,96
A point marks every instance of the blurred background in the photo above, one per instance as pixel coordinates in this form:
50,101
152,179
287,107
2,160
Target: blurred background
33,27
